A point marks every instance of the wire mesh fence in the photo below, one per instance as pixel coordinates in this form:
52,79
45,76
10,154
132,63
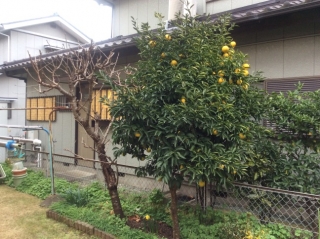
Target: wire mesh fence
269,205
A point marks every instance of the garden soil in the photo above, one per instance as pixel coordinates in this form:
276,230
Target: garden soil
21,216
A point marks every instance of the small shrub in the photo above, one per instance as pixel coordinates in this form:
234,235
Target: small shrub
77,197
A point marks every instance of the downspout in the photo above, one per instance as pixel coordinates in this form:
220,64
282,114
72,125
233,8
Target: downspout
8,45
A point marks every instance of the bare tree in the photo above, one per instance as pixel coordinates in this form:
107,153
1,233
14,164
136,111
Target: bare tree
75,75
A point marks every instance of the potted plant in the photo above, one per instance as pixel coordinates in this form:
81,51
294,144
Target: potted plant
2,173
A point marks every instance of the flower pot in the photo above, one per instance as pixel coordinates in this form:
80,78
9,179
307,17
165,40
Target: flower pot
19,172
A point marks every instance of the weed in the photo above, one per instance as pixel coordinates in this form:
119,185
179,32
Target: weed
78,197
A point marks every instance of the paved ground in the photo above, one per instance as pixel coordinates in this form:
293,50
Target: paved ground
22,217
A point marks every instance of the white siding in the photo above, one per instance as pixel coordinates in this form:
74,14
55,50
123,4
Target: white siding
50,29
227,5
140,10
3,49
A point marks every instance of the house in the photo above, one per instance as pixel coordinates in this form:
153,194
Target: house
282,39
17,41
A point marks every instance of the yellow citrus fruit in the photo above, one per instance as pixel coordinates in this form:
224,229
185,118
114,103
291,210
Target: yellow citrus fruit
242,136
147,217
163,55
215,132
137,134
221,80
225,49
245,72
245,86
233,44
221,166
181,167
142,158
149,150
152,43
239,82
234,172
310,133
159,179
111,212
237,71
201,184
221,73
230,81
225,55
174,63
183,100
167,37
246,65
213,73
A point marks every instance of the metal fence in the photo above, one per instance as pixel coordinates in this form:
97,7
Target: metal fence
292,209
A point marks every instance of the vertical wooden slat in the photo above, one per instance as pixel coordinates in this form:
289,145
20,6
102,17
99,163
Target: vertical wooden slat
52,106
41,112
34,111
110,99
28,111
97,103
104,108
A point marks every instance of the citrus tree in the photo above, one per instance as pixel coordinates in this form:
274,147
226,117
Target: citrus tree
189,107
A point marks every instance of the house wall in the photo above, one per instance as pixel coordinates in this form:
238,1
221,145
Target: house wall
282,47
227,5
3,49
51,29
141,10
22,43
63,128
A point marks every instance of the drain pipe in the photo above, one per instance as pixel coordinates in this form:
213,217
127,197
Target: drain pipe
8,45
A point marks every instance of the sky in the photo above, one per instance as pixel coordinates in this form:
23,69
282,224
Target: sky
88,16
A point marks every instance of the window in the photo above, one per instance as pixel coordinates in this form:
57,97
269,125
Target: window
98,107
39,109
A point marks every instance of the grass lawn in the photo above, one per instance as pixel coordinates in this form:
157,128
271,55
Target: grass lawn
22,217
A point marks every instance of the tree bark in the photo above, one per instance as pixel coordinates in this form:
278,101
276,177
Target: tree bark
174,212
111,181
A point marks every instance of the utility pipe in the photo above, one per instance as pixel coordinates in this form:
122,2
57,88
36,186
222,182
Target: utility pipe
17,139
50,146
14,145
8,45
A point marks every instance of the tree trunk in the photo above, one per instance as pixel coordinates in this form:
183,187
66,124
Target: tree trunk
174,212
110,180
